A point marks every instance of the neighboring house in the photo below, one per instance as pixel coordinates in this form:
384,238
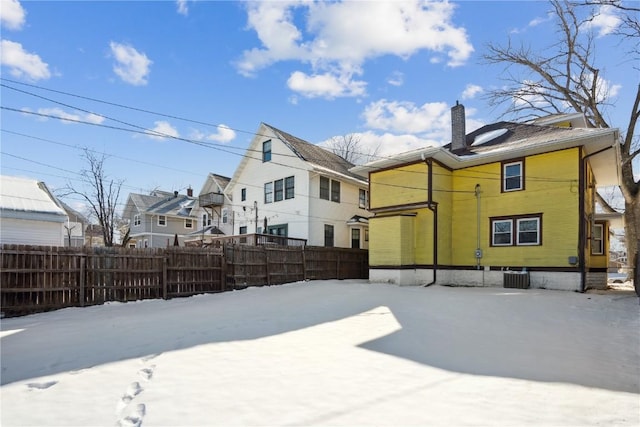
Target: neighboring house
29,213
288,187
74,229
506,197
156,219
93,235
214,210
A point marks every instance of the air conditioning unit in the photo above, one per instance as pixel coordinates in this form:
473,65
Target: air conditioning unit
516,279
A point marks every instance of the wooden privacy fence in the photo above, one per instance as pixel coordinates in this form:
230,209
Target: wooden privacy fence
42,278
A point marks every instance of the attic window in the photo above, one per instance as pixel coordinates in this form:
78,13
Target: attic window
266,151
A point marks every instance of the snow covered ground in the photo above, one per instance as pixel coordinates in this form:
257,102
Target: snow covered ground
329,353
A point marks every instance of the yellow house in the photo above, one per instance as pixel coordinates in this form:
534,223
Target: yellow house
510,204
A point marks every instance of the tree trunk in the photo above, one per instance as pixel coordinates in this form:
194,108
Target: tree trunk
632,227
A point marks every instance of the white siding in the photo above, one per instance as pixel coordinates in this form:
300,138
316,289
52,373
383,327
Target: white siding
30,232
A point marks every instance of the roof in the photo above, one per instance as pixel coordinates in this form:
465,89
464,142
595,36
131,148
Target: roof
162,203
315,154
74,215
20,196
507,140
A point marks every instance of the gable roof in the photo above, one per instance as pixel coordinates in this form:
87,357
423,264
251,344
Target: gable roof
160,203
28,198
73,214
315,154
508,140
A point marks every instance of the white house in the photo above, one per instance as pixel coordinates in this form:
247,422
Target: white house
214,210
30,214
289,187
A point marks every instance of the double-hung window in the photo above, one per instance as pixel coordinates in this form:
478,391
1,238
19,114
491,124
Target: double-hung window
279,190
268,192
513,176
325,184
188,223
363,199
162,220
266,151
597,239
524,230
289,187
329,189
136,220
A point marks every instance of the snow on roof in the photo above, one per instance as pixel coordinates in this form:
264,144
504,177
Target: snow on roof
27,195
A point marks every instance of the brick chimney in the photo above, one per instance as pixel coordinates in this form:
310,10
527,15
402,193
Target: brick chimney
190,192
458,131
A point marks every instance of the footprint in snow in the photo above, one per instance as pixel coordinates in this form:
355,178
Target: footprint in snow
41,386
151,356
135,418
147,373
133,390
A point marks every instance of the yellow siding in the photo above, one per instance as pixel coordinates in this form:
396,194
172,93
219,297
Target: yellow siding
391,240
551,188
404,185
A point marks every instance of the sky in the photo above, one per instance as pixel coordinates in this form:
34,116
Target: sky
171,91
345,352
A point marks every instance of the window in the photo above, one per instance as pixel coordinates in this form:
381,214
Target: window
136,220
355,238
206,220
528,231
268,192
518,231
335,191
162,220
243,194
278,194
324,188
188,223
363,199
278,230
513,176
597,242
328,235
289,187
225,216
266,151
243,229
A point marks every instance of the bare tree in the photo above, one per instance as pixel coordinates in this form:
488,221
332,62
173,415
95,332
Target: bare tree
350,148
565,77
102,194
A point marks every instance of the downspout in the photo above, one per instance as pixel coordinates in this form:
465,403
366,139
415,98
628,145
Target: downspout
433,207
582,238
478,250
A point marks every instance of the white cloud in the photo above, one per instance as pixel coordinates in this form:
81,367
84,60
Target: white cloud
605,21
396,78
223,134
337,38
406,126
66,117
471,91
162,130
325,85
131,66
22,63
12,15
183,8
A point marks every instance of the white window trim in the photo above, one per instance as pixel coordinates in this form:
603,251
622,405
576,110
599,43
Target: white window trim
188,223
165,221
504,176
493,232
136,220
537,242
600,239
